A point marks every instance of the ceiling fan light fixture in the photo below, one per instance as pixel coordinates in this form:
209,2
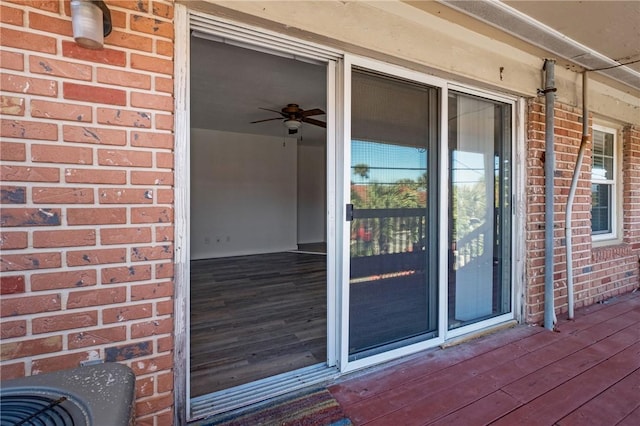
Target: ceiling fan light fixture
292,124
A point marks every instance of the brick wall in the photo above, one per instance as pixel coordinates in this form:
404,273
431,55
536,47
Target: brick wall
599,272
87,196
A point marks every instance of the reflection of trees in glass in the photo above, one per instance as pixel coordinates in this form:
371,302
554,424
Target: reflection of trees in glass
387,232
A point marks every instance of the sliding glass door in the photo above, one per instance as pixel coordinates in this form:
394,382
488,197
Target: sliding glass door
429,214
393,238
480,209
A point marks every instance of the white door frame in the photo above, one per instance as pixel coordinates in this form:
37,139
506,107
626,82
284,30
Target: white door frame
264,41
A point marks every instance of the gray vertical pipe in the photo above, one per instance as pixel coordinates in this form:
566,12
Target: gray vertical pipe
572,192
549,166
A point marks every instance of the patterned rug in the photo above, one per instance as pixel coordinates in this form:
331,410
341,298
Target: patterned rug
314,408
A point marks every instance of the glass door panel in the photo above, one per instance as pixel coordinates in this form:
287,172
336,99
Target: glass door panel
480,208
393,277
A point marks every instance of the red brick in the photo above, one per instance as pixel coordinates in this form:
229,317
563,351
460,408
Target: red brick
13,194
126,158
152,140
12,105
126,274
48,5
151,215
64,322
13,240
151,26
29,217
128,351
96,257
62,195
100,336
164,85
164,233
119,18
151,291
65,238
165,382
152,328
25,305
66,279
164,48
164,160
50,24
93,94
151,178
94,135
154,404
29,174
165,196
59,362
28,348
28,85
27,41
162,10
117,177
117,117
11,15
13,151
165,344
144,387
125,235
152,365
164,122
158,102
152,64
125,196
61,154
11,371
103,56
65,69
139,254
164,270
129,40
12,329
94,216
12,60
124,78
29,261
96,297
164,307
12,284
60,111
29,130
126,313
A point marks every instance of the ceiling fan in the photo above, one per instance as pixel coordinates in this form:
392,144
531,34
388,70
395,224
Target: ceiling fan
294,116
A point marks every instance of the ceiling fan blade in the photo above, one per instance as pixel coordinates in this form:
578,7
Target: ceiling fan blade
267,119
273,110
315,122
310,112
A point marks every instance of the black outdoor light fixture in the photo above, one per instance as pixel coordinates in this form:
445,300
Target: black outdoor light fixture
91,21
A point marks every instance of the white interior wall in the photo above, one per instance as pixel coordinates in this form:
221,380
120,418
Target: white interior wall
311,193
243,194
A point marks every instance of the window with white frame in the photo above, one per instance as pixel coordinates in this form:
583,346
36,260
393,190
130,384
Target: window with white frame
603,184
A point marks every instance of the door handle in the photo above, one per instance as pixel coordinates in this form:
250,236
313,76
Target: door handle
349,211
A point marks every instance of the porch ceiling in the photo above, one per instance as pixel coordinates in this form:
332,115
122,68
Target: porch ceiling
230,84
590,34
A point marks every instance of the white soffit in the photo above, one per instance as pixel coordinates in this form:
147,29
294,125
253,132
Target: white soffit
523,26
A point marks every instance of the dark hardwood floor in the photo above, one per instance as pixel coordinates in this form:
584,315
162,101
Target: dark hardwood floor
255,316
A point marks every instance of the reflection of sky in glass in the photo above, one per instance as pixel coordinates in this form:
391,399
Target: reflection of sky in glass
467,168
387,163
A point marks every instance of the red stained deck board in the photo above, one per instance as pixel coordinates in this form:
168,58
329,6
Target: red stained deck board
482,411
632,419
545,379
562,400
611,406
416,367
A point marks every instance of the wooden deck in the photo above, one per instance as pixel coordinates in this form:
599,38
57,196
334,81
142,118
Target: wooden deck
588,373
